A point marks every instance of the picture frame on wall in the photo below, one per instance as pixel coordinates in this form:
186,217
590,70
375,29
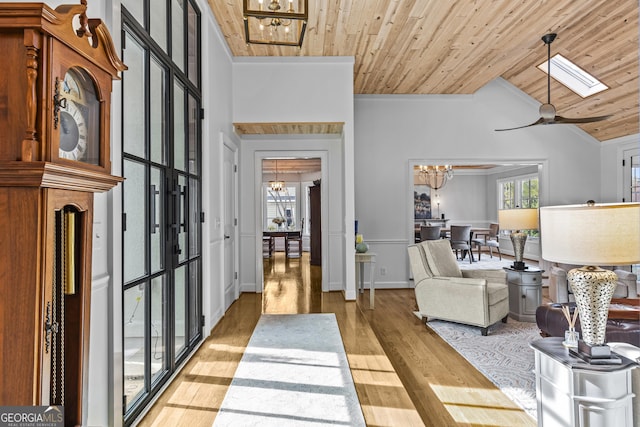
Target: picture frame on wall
421,202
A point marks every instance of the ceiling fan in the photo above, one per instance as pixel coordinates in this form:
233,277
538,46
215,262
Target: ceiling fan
548,111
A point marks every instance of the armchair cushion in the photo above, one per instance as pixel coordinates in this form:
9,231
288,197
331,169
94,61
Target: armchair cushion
440,259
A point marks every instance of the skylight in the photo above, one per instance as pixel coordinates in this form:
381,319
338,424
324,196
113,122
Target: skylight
573,77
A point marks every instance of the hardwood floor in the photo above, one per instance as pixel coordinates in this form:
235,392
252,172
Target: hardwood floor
404,373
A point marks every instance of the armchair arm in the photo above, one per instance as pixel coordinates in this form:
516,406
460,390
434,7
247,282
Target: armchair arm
489,275
558,285
465,281
630,280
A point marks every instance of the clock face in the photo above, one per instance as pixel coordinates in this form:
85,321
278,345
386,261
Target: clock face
79,114
73,132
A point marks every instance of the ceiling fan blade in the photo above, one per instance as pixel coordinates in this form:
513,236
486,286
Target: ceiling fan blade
537,122
548,111
560,119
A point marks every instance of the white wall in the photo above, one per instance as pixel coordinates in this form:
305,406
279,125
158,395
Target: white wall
311,90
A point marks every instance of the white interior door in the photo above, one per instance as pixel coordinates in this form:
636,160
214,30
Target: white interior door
231,289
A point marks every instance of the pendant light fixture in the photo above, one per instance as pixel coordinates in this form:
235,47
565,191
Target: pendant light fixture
276,185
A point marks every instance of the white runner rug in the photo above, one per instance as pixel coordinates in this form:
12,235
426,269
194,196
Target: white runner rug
294,372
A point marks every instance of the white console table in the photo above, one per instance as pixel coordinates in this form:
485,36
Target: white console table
361,260
571,392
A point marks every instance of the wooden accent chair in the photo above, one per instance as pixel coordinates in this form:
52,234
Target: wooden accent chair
429,232
490,241
461,240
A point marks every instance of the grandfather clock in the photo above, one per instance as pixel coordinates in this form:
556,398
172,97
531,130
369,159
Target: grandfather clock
55,100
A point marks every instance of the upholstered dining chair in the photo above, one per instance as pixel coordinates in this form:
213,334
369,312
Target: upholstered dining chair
429,232
478,297
490,240
461,240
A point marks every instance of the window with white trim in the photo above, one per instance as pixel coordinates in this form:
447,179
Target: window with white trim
518,192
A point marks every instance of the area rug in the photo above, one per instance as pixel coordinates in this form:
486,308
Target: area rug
294,372
504,356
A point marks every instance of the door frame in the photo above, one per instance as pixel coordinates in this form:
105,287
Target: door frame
228,144
323,155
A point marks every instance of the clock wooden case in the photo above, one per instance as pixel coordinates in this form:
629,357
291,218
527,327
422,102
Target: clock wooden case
55,102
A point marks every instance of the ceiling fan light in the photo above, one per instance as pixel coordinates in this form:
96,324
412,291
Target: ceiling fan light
547,111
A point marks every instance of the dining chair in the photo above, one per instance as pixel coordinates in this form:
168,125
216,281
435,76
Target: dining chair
490,240
429,232
461,240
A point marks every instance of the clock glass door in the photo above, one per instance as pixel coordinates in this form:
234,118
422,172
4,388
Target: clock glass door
78,117
161,310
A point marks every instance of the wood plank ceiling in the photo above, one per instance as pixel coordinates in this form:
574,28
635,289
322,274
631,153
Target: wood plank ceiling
456,47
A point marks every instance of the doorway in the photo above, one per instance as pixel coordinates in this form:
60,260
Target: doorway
291,284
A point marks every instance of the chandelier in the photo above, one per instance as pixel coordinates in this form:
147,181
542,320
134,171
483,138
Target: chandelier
436,177
276,185
275,25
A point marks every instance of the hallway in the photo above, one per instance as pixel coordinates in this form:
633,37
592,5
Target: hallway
291,285
404,373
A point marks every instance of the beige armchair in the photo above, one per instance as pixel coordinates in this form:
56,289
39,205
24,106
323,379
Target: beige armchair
443,291
560,291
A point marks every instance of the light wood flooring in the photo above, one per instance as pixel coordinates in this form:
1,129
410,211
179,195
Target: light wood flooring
404,373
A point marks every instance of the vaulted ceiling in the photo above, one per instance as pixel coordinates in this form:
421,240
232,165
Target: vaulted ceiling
456,47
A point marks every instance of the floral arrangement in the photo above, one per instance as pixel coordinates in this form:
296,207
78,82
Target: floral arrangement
278,220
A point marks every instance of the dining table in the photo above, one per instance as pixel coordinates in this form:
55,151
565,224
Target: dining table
295,235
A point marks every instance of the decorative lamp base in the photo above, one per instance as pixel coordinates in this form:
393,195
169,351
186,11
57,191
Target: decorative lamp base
518,241
519,265
593,288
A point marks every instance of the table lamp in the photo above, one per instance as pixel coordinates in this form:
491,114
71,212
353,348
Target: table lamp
591,235
517,220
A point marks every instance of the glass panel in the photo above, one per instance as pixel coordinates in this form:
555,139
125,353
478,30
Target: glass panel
529,193
193,134
134,188
178,127
177,32
133,84
180,281
158,23
635,178
182,218
156,204
135,8
194,286
194,218
157,120
192,40
134,359
508,195
281,208
158,328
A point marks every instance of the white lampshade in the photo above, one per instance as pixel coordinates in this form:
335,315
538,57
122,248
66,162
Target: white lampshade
518,219
604,234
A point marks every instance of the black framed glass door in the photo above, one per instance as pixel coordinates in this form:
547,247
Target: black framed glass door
162,285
